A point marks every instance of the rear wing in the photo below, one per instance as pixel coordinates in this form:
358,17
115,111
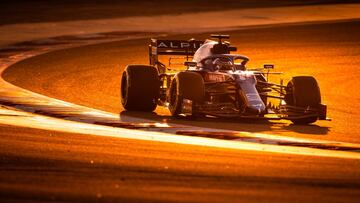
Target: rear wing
172,47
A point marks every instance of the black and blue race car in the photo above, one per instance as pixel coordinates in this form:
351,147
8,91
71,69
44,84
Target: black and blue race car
205,78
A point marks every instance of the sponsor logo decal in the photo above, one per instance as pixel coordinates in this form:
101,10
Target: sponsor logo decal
178,44
215,77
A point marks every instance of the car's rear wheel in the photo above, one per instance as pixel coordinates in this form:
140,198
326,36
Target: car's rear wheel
303,91
185,85
140,87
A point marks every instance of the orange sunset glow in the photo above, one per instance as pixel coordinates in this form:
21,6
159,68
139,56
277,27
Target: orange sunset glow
179,101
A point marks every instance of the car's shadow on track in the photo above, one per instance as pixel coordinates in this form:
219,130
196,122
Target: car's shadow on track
307,129
249,125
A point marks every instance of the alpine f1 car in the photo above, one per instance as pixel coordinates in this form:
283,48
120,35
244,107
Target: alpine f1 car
204,78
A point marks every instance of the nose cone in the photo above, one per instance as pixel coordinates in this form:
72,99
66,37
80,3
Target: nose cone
254,103
251,98
255,109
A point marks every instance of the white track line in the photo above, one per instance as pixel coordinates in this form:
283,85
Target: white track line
18,118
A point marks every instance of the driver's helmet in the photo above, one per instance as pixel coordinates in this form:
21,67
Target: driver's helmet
223,64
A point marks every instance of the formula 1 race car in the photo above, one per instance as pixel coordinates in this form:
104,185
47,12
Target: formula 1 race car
203,78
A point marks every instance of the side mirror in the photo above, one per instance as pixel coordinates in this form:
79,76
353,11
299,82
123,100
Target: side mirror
269,66
190,63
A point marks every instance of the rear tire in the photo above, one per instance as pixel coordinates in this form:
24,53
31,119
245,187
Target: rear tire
185,85
140,88
303,91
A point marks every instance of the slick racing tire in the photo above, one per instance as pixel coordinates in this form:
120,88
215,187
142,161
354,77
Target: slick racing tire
140,88
303,91
185,85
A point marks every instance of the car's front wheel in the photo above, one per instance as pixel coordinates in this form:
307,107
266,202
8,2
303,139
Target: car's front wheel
185,85
303,91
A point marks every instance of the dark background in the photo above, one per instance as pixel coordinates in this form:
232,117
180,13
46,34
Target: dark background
25,11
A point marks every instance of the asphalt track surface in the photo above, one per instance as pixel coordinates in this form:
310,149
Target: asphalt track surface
42,165
90,75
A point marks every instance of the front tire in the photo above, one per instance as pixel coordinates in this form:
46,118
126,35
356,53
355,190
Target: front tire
303,91
140,88
185,85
